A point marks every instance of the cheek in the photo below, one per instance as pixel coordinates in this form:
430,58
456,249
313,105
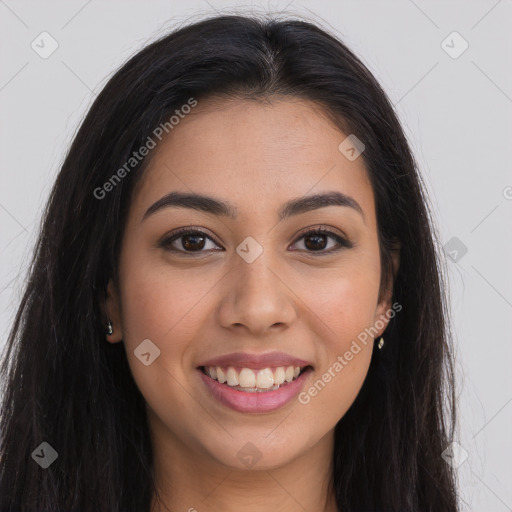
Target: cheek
163,304
333,388
159,310
157,305
344,306
346,302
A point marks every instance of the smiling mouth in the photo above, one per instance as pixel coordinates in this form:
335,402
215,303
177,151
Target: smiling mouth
254,381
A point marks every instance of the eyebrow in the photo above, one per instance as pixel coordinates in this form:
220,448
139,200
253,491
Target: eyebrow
217,207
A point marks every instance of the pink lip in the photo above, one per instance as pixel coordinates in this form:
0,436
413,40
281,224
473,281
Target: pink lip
258,402
256,361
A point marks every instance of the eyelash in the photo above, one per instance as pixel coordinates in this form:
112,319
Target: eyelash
166,242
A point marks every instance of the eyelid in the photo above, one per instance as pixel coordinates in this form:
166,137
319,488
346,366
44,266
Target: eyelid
330,230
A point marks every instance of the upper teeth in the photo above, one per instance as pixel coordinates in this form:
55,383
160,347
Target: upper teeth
248,378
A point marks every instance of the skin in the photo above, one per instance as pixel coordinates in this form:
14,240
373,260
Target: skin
256,155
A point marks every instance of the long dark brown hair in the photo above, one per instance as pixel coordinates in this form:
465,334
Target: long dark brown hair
64,385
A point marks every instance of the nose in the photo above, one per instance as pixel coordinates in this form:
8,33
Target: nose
256,298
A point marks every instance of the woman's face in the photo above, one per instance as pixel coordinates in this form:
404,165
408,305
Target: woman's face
250,284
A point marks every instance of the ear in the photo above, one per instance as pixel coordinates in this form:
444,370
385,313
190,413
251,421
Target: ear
112,310
385,296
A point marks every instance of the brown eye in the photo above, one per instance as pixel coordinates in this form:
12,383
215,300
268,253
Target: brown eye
186,241
316,240
192,242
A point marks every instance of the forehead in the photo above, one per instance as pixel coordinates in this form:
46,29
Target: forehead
256,154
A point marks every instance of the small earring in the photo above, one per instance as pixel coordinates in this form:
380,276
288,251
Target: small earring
110,329
381,343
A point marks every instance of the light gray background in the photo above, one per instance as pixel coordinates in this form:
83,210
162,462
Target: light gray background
456,114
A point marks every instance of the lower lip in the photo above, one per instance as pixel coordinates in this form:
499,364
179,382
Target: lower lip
264,401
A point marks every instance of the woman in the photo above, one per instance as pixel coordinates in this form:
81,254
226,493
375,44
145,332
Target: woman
236,300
